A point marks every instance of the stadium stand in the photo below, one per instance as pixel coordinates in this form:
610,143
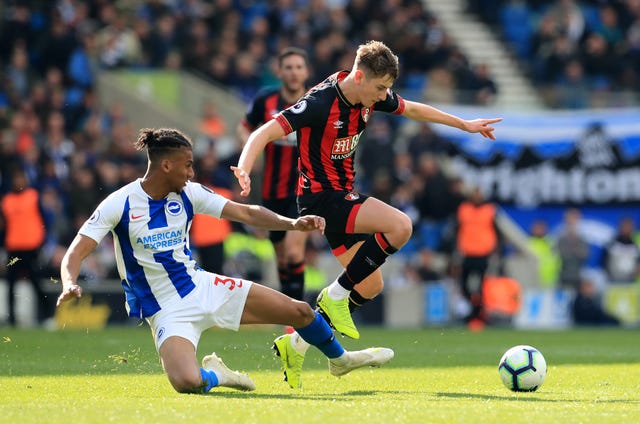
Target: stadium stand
56,127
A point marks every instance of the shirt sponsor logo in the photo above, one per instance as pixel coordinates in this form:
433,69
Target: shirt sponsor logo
173,207
161,240
344,147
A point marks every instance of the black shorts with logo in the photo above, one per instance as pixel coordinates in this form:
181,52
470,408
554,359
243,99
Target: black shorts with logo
285,207
339,209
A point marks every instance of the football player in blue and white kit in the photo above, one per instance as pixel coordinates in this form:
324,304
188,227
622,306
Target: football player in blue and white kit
150,219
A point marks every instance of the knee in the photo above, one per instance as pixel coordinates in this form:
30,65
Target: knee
402,230
302,314
182,383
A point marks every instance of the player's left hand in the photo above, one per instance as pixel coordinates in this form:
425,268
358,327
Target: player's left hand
309,223
482,126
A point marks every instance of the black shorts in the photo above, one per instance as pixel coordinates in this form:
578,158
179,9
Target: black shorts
285,207
339,209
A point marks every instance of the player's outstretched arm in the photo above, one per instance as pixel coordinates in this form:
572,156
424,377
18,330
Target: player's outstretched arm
426,113
261,217
80,248
252,149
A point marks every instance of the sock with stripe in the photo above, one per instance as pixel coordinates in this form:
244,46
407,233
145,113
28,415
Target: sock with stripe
371,255
293,283
356,300
320,335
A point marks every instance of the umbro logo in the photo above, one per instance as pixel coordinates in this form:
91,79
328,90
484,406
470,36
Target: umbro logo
338,124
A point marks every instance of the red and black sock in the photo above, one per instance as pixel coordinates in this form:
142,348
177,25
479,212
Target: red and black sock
293,282
356,300
371,255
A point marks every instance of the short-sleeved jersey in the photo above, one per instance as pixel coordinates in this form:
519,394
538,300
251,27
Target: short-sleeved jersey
328,129
281,156
151,240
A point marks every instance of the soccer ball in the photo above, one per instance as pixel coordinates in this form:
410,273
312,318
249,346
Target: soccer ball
522,369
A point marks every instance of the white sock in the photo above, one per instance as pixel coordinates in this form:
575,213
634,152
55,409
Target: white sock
299,344
342,359
337,292
221,379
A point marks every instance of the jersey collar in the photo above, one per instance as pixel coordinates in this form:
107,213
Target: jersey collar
339,77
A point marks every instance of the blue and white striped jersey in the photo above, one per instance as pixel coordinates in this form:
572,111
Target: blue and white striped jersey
151,239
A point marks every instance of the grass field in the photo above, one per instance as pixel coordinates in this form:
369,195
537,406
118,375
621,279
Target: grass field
438,376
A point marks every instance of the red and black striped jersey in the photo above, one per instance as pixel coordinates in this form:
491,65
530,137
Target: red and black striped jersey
280,160
328,129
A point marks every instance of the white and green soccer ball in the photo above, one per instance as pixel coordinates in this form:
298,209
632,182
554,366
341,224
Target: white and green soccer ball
522,368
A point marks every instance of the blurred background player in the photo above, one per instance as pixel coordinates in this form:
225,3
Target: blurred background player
280,173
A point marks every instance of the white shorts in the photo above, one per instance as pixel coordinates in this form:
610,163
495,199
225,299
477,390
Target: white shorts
216,301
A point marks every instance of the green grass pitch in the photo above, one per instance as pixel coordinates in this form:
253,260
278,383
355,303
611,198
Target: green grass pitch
444,375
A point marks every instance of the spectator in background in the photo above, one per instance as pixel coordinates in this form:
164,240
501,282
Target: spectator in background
207,233
117,43
573,87
482,86
477,240
211,123
377,151
426,140
573,250
434,201
83,197
587,307
621,259
543,247
24,236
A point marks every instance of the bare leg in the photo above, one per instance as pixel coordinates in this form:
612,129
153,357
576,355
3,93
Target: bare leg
178,357
375,216
267,306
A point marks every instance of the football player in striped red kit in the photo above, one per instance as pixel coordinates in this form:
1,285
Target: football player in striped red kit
280,173
329,120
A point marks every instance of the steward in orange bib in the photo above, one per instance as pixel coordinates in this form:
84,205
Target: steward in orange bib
477,239
24,236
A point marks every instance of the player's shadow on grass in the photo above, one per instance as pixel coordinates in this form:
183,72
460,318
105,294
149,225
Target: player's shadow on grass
521,397
299,395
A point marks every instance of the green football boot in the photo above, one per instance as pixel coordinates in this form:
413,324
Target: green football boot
337,314
292,360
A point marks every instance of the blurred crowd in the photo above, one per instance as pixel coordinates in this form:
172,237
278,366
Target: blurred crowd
72,152
581,53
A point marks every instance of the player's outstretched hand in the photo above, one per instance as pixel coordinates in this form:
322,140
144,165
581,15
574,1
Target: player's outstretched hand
482,126
69,292
309,223
243,179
